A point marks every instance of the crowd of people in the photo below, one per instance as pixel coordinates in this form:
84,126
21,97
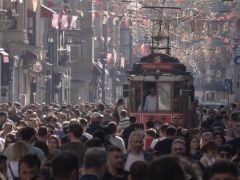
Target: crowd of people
104,142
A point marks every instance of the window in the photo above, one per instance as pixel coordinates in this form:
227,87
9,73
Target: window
177,107
238,84
31,29
11,14
78,52
164,99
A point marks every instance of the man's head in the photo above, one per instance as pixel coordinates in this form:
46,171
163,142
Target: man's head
178,147
223,170
114,158
139,171
42,133
132,119
96,117
83,123
163,129
206,137
175,121
225,152
166,167
123,113
235,120
3,117
152,92
28,166
27,134
171,132
112,127
135,142
8,127
65,166
75,131
95,161
101,107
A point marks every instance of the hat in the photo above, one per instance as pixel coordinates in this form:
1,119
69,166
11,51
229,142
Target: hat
96,115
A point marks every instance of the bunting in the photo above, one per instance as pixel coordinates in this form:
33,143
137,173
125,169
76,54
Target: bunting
73,24
109,57
55,20
64,22
105,17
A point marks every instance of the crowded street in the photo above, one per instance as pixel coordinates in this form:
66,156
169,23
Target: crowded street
119,90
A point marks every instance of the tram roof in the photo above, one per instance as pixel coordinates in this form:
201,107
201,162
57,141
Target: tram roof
158,63
158,57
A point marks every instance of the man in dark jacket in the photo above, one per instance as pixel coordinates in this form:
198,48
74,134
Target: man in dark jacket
95,123
127,131
114,169
164,146
94,164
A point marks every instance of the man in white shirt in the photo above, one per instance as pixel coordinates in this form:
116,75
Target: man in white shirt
151,102
135,151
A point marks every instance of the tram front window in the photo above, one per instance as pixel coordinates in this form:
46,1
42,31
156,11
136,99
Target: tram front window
164,97
150,104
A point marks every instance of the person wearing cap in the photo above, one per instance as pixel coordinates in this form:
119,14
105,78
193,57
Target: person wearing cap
124,120
114,139
95,123
85,136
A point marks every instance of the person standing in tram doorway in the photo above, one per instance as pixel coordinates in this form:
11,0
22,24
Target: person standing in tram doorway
151,101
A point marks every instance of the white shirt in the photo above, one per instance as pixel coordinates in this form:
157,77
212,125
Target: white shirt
133,158
14,168
87,135
155,141
150,103
118,142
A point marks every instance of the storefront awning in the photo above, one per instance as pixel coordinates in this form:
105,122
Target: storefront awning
47,12
4,56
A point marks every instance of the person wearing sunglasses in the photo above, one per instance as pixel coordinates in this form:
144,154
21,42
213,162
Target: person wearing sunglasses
225,152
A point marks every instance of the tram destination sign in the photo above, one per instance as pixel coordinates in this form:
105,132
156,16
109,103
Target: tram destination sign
165,67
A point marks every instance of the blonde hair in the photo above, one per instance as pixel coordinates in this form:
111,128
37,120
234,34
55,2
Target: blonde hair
132,135
20,148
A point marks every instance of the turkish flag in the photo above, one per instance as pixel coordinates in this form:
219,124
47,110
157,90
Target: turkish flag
64,22
109,57
55,20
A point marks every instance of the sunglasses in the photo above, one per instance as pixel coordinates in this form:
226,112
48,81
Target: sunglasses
224,154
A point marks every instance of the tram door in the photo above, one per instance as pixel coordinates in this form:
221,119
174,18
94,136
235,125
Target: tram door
135,99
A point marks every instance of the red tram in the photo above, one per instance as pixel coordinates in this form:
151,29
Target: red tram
172,88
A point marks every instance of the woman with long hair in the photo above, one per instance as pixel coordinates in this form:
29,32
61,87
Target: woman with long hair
20,148
219,138
209,152
193,148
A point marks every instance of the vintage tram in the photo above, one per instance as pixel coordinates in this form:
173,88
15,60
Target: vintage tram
172,85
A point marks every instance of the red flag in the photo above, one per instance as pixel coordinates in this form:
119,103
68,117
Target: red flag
143,49
73,24
64,22
55,19
109,57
